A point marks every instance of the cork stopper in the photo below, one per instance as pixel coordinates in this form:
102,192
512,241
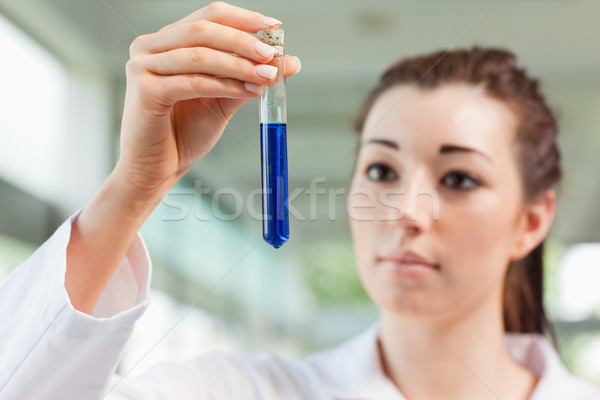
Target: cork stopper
273,37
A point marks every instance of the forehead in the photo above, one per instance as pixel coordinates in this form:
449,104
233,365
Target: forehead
452,113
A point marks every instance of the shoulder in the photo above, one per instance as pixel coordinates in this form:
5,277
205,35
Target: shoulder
343,370
536,353
252,376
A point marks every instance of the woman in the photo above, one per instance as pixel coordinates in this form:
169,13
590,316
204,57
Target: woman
458,160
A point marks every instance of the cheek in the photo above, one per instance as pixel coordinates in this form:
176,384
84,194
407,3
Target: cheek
484,221
478,235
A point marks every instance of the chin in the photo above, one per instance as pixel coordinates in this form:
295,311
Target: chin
410,303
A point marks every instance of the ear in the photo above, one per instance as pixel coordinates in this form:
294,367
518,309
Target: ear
535,222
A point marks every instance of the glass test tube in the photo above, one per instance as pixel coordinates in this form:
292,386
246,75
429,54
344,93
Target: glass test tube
273,148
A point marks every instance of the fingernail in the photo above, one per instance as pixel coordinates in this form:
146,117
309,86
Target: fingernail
252,87
270,21
266,71
264,49
299,64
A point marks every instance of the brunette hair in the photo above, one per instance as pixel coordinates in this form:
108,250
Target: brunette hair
537,153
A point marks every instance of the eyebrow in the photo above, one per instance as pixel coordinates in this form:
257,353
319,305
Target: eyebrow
385,142
444,149
452,148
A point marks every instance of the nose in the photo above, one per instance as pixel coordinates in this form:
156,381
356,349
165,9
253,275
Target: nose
413,205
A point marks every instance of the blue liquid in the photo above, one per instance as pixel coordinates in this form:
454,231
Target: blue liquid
273,155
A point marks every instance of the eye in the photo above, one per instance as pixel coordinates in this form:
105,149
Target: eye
380,172
460,181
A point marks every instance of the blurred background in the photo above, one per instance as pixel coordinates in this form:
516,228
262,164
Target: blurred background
216,284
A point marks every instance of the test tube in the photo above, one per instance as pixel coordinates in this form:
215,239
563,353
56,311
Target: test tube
273,148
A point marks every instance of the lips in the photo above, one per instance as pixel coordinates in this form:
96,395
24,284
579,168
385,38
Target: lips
407,259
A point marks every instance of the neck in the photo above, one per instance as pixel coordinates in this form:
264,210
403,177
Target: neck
443,359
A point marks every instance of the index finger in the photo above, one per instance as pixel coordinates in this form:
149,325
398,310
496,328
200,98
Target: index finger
230,15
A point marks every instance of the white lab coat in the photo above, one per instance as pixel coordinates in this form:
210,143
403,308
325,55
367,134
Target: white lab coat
49,350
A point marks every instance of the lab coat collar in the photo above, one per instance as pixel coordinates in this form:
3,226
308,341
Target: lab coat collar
353,370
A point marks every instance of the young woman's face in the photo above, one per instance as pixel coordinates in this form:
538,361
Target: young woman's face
436,178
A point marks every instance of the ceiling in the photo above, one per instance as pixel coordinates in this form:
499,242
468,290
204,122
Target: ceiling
344,45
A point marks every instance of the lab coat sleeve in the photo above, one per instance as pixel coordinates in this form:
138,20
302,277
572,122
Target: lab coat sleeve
49,350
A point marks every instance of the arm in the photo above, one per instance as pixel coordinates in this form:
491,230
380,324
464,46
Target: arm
100,236
183,86
50,350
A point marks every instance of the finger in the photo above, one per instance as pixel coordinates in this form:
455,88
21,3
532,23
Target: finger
292,65
202,60
168,90
204,34
227,14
